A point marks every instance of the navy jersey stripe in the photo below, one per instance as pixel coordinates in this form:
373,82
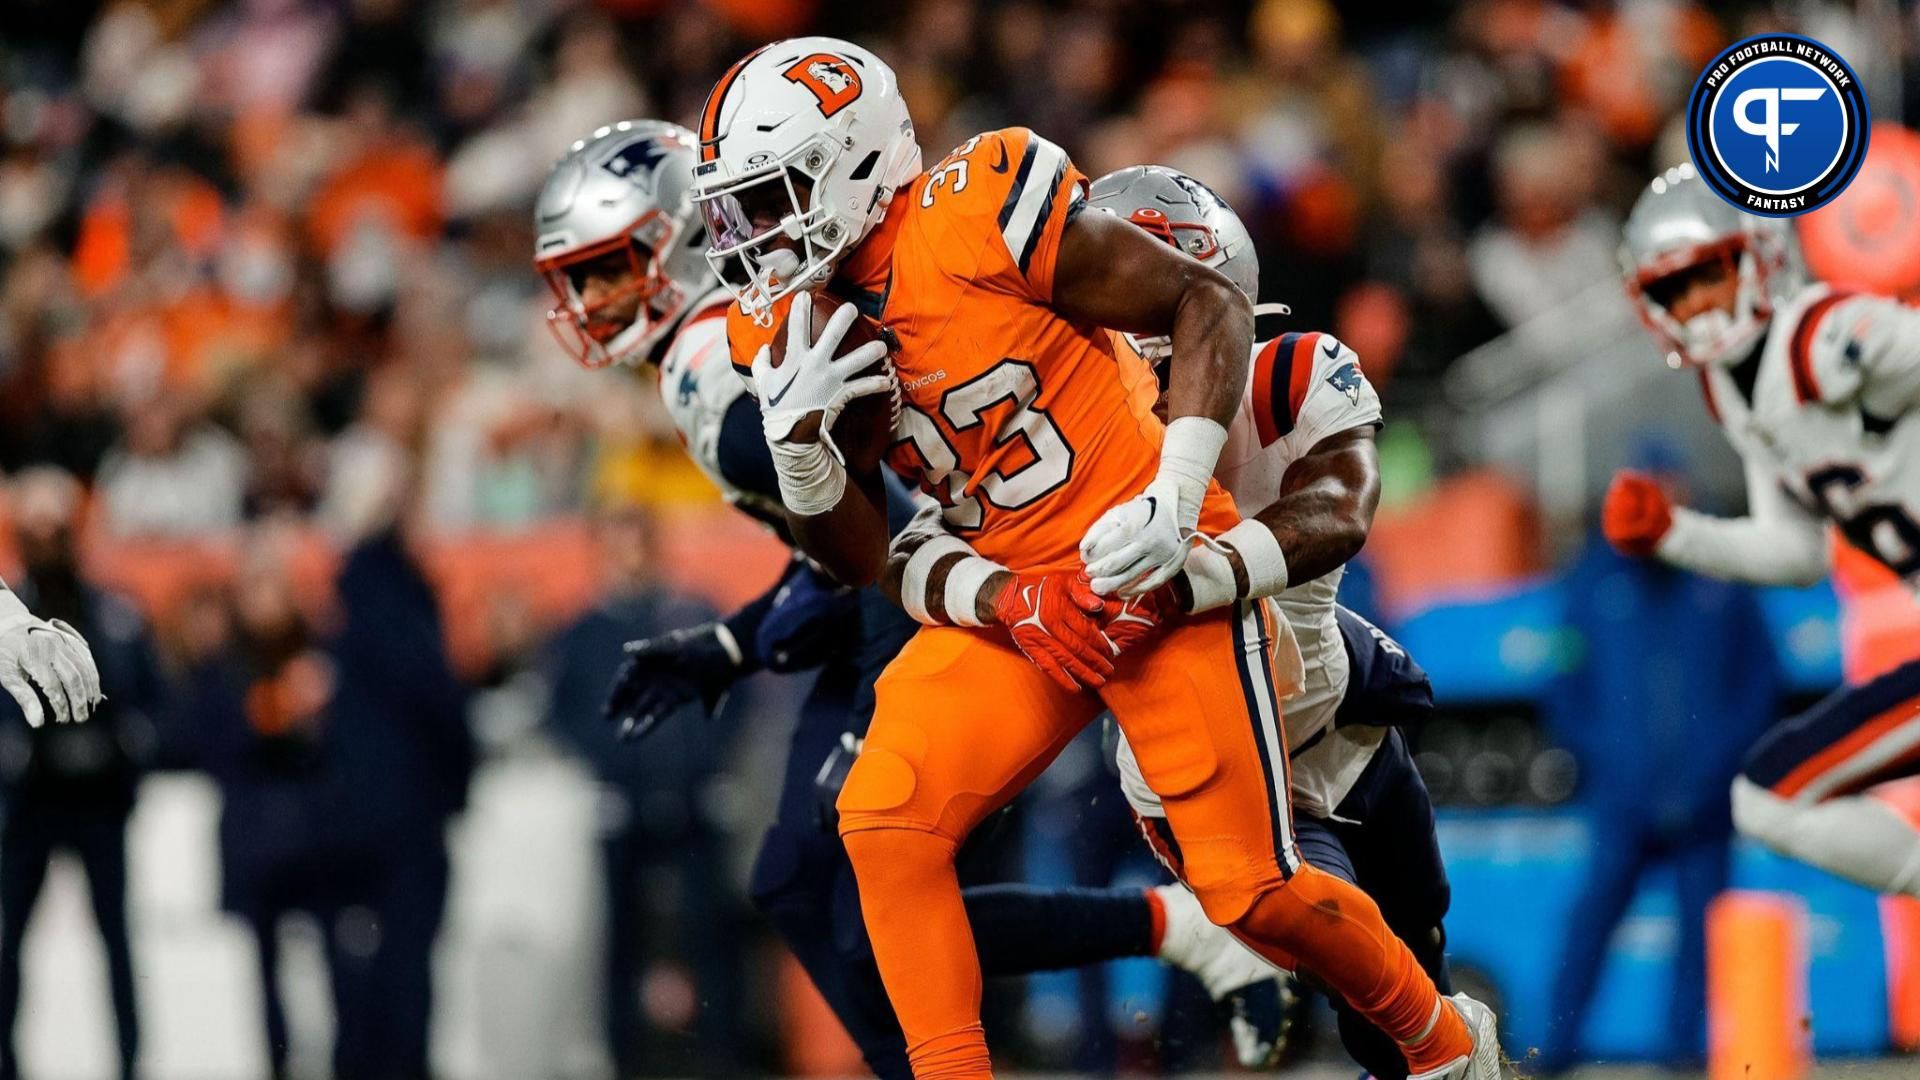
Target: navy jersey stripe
1019,184
1280,384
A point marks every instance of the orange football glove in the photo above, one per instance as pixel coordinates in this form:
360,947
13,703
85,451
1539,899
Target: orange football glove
1127,621
1053,624
1637,513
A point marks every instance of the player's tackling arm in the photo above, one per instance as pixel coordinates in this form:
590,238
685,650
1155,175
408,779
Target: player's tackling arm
1326,504
1115,275
1321,520
1778,543
1318,524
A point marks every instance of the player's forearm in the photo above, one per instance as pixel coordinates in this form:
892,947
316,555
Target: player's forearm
849,540
1212,346
1321,526
938,579
1757,551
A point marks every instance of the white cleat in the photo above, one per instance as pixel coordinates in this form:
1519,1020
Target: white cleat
1484,1063
1256,996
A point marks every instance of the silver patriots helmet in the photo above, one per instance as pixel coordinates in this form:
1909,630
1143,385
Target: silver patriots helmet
1186,214
621,193
1678,225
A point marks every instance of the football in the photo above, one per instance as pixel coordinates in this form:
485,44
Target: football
864,430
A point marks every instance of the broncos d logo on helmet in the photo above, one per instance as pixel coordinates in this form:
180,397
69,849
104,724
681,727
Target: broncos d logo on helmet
1348,380
835,82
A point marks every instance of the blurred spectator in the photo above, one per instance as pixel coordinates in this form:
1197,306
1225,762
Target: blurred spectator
254,694
399,757
1659,723
365,462
660,850
71,786
173,474
1549,243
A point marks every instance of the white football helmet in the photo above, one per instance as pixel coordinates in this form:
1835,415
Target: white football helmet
1677,225
802,144
624,189
1190,216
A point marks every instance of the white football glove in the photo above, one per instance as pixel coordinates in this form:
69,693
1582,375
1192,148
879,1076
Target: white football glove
812,380
50,655
1141,544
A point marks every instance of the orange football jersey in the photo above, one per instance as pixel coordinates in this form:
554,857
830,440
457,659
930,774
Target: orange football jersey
1024,425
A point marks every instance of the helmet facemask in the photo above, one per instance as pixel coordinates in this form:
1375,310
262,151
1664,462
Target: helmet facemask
755,265
661,300
1716,336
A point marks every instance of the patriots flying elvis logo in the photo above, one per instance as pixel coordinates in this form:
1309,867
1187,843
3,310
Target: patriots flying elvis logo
638,156
1348,380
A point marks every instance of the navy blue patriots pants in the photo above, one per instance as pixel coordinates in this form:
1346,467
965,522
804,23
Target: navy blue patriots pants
1381,836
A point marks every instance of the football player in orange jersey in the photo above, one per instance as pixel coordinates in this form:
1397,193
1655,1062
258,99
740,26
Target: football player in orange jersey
1019,416
622,248
1300,461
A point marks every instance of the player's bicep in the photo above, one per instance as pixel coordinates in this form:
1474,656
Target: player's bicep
1345,465
1113,274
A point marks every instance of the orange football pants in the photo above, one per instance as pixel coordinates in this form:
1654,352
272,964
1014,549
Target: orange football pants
964,721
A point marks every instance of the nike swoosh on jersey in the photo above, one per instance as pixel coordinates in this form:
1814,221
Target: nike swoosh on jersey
1332,350
1001,166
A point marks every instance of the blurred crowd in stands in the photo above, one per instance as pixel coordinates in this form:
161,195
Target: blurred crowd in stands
252,252
265,278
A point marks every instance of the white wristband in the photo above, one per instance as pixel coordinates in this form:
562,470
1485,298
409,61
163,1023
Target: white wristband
1260,553
913,581
811,478
963,589
1192,448
1210,576
1210,579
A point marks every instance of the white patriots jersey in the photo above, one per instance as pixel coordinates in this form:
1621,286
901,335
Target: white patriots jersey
1301,389
1835,417
698,386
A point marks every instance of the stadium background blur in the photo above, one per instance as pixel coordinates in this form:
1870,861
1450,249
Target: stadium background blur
265,288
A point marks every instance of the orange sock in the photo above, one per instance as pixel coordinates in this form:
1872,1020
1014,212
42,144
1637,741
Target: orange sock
910,898
1336,931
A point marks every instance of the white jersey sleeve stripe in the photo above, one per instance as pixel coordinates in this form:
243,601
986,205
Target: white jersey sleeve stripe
1042,169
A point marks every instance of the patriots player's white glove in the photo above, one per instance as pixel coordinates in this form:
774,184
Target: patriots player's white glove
811,379
1141,544
49,655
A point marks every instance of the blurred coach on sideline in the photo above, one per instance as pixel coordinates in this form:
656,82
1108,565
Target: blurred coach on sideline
71,786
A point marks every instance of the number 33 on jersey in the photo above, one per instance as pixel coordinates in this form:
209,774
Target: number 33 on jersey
1005,400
